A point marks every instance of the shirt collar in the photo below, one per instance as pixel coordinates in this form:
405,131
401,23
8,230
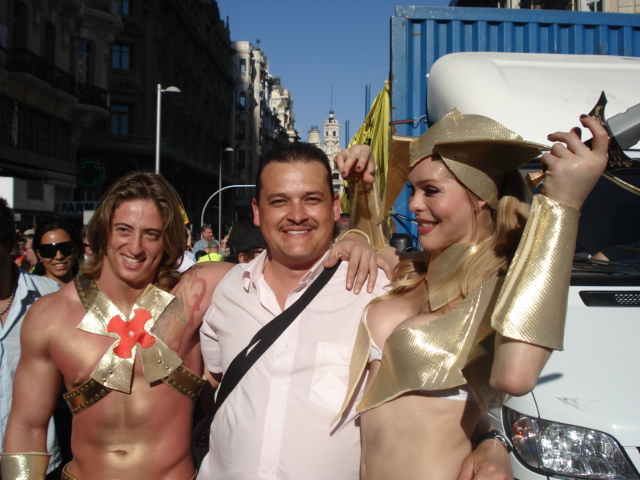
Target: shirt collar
255,270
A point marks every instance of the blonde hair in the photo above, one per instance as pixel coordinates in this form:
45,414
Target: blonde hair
490,260
140,186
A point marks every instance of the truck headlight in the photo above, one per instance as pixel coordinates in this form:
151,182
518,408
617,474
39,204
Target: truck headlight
552,448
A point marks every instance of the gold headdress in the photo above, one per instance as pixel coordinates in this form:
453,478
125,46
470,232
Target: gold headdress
478,150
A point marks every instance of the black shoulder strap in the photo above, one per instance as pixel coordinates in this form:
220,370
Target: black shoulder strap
266,336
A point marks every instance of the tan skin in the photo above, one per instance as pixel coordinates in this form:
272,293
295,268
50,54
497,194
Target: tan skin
123,436
416,436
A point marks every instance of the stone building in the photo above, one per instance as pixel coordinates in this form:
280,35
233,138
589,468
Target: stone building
330,145
181,44
263,118
54,70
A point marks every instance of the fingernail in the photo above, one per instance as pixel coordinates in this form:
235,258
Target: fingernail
349,285
583,116
549,135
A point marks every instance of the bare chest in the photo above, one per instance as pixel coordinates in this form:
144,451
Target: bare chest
77,352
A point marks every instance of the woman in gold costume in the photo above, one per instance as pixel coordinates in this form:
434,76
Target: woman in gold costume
478,313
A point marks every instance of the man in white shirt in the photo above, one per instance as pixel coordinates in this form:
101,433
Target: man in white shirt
275,423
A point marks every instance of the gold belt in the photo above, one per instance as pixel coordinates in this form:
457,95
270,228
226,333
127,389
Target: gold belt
181,379
67,476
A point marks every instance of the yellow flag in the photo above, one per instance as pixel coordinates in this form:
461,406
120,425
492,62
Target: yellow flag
364,201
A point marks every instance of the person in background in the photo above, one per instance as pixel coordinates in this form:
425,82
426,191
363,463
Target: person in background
18,291
245,242
29,259
224,245
206,234
58,247
87,252
211,253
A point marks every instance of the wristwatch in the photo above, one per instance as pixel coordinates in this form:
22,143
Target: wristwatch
493,435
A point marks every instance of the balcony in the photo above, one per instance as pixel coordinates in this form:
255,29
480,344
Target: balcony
22,60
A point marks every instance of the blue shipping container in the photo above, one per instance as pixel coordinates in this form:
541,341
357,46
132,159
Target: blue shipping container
421,35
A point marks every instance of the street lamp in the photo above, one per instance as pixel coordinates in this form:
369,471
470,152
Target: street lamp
158,110
228,149
218,192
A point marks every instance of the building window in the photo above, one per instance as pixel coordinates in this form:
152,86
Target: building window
243,101
243,64
124,7
241,160
121,56
120,116
595,6
82,68
49,43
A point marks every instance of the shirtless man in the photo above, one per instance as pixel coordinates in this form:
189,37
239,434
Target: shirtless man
129,422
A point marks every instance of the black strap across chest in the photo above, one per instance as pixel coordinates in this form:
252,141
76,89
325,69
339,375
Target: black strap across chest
265,337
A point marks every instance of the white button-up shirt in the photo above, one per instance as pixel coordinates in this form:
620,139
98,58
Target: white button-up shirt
275,423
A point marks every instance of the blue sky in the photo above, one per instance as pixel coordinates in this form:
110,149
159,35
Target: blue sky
314,46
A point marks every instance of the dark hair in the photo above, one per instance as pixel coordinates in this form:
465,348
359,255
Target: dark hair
296,152
7,225
205,226
57,224
140,186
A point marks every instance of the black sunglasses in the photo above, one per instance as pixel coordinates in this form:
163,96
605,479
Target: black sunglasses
49,250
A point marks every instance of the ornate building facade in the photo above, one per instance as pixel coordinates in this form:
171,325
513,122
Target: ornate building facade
182,44
263,118
54,69
330,145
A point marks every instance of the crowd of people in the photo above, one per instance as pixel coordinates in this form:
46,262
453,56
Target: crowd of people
132,332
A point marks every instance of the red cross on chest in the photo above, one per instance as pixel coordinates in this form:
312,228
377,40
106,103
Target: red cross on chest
131,332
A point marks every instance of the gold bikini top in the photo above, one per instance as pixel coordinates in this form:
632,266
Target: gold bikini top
529,305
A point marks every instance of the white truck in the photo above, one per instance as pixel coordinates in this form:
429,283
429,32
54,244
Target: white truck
582,420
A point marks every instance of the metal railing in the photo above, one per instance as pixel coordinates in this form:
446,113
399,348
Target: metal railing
24,60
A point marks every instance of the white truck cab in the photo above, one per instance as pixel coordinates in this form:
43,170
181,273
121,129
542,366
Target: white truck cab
582,420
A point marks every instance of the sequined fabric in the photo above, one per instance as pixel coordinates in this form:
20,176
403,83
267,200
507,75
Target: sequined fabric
432,356
116,372
478,150
529,304
533,303
24,466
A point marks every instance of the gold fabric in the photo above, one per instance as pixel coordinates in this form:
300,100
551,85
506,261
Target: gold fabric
529,305
366,212
86,395
431,356
24,466
116,372
375,132
441,289
478,150
533,302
